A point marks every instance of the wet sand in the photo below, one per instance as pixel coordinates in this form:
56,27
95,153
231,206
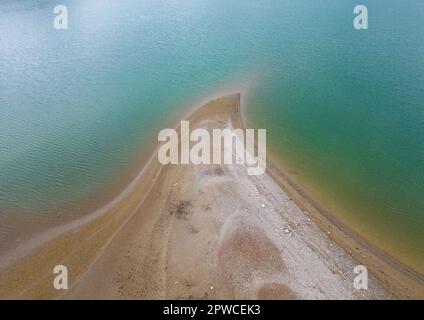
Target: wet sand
205,231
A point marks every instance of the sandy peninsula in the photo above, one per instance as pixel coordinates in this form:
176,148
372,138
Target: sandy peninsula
207,232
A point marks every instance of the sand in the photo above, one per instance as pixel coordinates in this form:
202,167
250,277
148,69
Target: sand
206,232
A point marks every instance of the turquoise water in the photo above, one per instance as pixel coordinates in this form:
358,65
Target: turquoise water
343,108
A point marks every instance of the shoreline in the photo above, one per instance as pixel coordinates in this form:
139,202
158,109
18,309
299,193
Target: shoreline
82,242
36,250
39,238
352,243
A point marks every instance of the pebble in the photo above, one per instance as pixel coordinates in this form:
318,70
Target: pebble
245,210
286,230
211,287
263,205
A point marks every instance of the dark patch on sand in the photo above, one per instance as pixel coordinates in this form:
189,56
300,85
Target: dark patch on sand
214,171
182,209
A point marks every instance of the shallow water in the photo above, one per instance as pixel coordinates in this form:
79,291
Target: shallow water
343,108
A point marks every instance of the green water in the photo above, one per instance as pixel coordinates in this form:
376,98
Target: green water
343,108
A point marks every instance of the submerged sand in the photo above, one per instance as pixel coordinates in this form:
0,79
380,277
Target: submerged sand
206,232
